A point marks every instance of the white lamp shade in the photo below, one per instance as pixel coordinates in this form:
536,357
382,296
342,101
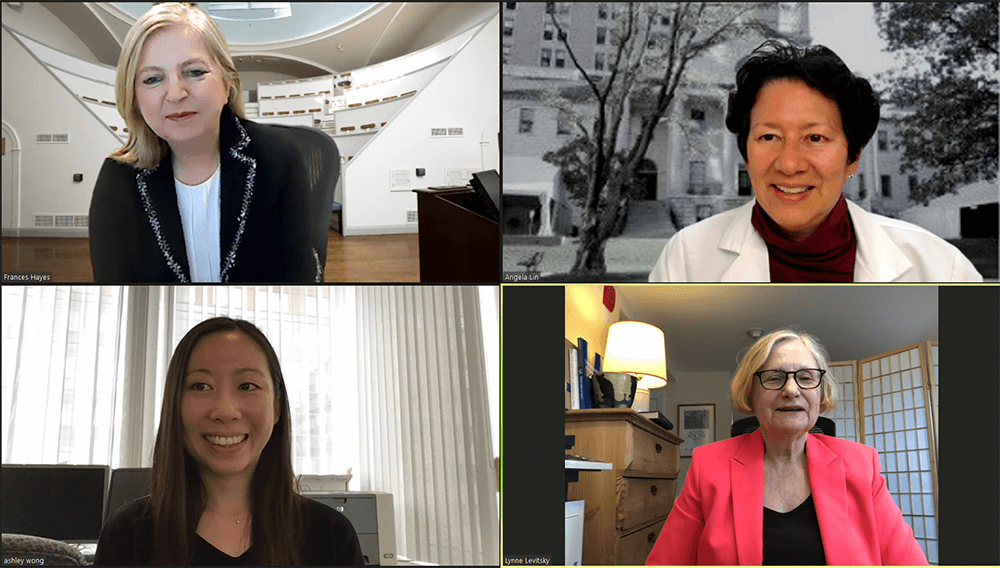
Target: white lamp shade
637,348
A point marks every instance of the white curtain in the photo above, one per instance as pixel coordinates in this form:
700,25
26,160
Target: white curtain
63,370
84,367
400,384
312,330
425,421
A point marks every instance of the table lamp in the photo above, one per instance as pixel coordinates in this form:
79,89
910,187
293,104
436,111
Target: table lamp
637,348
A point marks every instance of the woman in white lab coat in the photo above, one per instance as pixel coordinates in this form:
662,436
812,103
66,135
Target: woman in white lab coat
801,119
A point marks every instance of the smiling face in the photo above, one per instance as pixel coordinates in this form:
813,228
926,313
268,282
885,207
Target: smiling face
228,397
796,143
770,406
177,75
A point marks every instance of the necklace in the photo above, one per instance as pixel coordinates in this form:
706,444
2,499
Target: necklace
237,521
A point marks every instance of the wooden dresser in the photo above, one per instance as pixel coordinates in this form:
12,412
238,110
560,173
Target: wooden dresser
626,506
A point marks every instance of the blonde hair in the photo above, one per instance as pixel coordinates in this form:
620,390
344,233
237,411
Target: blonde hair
741,388
144,148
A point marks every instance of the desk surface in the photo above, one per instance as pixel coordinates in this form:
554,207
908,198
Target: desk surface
587,465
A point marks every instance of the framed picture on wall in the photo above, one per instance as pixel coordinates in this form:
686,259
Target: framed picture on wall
696,425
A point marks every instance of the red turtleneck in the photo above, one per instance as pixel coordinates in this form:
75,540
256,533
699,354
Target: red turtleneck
825,256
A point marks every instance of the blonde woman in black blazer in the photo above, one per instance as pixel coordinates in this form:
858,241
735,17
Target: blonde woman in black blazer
269,197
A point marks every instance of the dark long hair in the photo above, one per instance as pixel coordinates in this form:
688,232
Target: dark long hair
820,68
178,495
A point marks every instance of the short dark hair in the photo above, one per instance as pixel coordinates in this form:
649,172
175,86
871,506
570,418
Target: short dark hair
820,68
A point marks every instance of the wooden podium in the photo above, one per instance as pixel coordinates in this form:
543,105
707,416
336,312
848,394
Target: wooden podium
458,240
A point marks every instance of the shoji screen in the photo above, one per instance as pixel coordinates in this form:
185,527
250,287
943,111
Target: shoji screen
932,351
895,394
846,411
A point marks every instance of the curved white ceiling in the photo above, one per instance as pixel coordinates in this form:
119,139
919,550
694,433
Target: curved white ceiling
306,18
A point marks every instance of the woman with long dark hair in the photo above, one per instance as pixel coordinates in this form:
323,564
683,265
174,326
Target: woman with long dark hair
222,489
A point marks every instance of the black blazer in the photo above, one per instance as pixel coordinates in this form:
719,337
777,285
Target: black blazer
276,191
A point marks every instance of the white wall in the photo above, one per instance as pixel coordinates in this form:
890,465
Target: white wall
942,215
466,94
35,21
943,222
34,102
588,317
695,388
455,17
250,79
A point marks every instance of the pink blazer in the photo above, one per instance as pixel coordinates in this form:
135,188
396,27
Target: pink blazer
719,516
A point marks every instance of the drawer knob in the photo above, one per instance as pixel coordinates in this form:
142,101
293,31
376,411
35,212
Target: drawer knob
651,538
652,490
659,448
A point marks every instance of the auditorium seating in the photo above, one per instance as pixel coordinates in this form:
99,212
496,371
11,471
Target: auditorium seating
352,106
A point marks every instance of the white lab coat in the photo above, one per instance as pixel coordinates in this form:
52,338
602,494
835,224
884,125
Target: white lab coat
726,248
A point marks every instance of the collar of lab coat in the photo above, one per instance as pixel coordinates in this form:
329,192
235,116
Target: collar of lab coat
878,259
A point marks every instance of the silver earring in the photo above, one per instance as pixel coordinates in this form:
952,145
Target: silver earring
849,176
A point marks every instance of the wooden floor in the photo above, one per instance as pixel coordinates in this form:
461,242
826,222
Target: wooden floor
377,258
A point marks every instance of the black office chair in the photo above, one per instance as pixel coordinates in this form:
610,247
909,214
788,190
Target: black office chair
321,159
747,425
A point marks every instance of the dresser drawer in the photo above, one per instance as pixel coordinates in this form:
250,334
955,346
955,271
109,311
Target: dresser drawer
633,549
643,500
623,514
648,453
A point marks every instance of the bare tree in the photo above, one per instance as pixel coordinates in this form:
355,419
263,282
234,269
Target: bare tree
647,67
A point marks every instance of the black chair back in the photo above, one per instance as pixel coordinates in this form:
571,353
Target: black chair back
321,159
747,425
127,485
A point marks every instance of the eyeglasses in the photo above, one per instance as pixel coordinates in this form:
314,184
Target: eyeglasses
805,378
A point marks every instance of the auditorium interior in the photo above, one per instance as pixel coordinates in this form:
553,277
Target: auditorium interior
409,92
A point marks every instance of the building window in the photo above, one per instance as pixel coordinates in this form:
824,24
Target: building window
549,32
599,62
506,52
651,41
886,186
697,114
546,57
508,26
560,58
511,5
602,11
913,184
601,35
744,183
861,186
883,140
563,123
696,178
664,20
527,121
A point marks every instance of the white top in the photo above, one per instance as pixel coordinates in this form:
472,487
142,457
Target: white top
200,208
726,248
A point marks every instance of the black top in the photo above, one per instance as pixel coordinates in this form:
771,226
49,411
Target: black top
793,538
276,193
127,539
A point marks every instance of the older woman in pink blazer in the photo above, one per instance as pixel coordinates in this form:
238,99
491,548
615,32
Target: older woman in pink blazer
781,495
